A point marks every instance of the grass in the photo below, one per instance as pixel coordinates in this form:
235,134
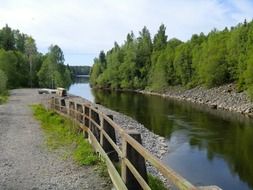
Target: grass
60,134
155,183
4,97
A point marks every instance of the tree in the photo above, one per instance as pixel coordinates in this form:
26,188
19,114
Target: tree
53,72
143,56
160,39
30,51
183,64
7,40
213,70
159,75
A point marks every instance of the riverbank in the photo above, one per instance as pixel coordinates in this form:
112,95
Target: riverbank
155,144
223,97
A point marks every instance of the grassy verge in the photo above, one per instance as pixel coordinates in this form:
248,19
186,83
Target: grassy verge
61,135
155,183
4,97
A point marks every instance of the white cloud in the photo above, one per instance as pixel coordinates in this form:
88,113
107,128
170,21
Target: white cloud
87,26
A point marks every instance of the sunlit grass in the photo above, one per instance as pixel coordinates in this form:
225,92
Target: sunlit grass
61,134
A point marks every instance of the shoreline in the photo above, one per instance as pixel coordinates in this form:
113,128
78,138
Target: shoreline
155,144
223,97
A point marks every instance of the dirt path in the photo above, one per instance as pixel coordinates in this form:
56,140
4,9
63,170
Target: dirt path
25,163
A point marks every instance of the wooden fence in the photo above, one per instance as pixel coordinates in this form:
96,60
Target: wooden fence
101,131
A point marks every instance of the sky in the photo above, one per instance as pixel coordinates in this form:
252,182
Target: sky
82,28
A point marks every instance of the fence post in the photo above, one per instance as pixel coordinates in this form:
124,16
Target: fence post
94,129
101,131
108,148
138,162
85,121
89,123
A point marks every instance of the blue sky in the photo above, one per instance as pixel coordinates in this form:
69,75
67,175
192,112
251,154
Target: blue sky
84,27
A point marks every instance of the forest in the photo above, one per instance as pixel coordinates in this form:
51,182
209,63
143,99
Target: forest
154,64
21,65
79,70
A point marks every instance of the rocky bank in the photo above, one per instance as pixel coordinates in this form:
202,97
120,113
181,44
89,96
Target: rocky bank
223,97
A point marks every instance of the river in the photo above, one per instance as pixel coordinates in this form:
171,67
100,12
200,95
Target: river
207,147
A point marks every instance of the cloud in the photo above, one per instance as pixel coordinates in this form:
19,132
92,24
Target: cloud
83,27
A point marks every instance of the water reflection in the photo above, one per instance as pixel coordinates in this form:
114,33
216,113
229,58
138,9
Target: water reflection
205,146
216,144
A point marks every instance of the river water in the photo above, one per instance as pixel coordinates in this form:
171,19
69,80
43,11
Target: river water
207,147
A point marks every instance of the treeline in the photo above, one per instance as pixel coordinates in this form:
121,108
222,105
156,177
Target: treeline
21,65
209,60
79,70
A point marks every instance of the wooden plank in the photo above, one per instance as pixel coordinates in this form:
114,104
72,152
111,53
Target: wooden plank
170,174
136,174
123,164
107,146
116,148
116,179
137,161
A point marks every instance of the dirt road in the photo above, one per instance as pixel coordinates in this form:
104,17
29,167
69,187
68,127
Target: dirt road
25,163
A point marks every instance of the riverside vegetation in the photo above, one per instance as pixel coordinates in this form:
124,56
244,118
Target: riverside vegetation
21,65
61,134
210,60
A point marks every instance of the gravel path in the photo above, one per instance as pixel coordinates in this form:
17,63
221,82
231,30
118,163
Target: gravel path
25,162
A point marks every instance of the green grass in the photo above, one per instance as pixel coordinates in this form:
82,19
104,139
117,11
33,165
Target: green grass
61,134
155,183
4,97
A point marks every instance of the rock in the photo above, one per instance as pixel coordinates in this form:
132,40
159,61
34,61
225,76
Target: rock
213,106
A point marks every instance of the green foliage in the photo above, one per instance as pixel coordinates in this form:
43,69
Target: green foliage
183,64
21,62
213,70
3,82
155,183
59,133
3,87
53,73
15,67
79,70
4,97
7,40
209,60
159,75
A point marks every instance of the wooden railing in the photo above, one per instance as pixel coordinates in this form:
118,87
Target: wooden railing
101,131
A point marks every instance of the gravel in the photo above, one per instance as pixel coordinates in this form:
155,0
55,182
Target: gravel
25,162
155,144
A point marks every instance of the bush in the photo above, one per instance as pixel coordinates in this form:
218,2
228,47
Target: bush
3,82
